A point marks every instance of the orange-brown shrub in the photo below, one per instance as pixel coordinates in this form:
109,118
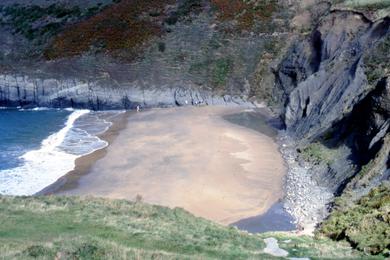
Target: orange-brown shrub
244,12
121,26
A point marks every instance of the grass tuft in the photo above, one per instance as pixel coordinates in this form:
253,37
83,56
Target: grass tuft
317,153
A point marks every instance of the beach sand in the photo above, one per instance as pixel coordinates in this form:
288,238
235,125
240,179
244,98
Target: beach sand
183,157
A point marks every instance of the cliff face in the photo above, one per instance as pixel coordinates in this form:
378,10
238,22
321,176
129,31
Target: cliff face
152,53
332,94
325,76
24,91
334,86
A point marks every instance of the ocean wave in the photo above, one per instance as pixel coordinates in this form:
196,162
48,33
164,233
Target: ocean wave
36,109
56,156
69,109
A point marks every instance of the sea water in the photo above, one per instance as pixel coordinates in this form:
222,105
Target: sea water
39,146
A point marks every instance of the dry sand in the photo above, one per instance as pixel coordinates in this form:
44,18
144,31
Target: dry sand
185,157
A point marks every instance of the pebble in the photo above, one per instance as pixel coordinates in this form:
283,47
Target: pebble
305,200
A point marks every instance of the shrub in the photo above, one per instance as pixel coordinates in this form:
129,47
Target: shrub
22,18
89,251
120,26
366,225
377,62
37,251
317,153
220,71
246,13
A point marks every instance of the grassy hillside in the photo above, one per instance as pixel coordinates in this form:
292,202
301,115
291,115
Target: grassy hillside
74,228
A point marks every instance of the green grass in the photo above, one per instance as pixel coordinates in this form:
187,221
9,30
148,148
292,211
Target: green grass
75,228
317,153
216,71
220,71
366,225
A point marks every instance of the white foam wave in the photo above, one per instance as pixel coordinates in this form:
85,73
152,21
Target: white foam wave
36,109
55,158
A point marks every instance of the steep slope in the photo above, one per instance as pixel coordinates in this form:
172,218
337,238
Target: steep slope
73,228
152,53
334,86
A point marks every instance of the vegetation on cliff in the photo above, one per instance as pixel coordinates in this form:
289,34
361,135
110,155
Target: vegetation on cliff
377,62
122,26
245,13
317,153
64,227
40,23
365,225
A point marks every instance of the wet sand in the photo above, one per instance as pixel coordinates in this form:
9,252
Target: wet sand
184,157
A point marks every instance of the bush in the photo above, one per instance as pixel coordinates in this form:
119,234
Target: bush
365,225
89,251
119,27
246,13
377,62
220,71
317,153
37,251
22,18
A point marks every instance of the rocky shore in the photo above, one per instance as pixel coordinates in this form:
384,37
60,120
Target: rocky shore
305,199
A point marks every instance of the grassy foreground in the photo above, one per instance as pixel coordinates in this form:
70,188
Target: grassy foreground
75,228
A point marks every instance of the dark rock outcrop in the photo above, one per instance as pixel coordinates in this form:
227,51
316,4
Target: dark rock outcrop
330,98
323,78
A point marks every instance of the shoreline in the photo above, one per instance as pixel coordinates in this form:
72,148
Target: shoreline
85,162
70,183
304,199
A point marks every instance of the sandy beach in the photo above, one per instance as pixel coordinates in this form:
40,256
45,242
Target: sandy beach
184,157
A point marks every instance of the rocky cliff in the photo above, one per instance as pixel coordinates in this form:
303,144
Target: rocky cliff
336,84
153,53
334,88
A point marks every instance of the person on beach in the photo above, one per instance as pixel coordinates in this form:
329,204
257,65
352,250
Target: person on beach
138,108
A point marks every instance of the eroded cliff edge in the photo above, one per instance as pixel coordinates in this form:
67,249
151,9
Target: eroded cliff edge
334,85
335,89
